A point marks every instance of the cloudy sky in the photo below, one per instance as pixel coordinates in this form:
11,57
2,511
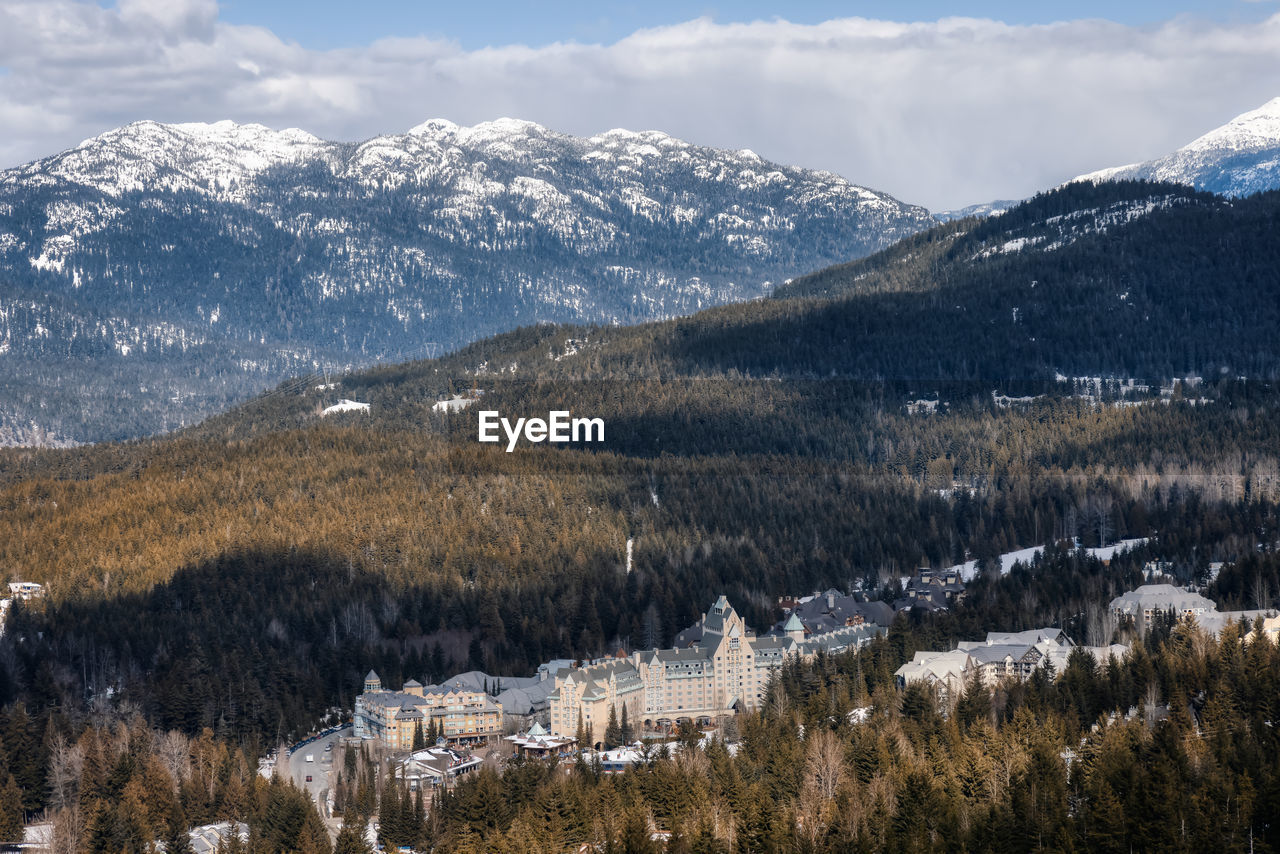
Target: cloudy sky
942,104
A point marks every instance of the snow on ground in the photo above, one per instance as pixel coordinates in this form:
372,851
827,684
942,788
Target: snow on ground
969,569
38,835
457,403
346,406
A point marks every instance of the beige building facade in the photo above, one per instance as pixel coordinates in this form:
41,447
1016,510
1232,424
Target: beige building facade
724,672
460,715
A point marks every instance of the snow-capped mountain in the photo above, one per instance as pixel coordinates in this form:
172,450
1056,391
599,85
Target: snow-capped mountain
1240,158
982,209
157,272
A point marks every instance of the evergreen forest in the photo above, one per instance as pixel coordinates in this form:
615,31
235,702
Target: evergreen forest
1067,375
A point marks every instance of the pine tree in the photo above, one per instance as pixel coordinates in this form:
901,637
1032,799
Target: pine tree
349,762
101,836
314,839
437,662
975,702
408,821
419,817
232,843
419,737
625,735
27,758
612,732
351,838
635,834
177,838
11,811
389,832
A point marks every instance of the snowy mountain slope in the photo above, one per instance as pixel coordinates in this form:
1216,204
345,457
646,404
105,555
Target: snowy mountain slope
268,252
982,209
1240,158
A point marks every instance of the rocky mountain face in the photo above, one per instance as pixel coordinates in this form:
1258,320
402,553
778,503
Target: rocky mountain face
156,273
1238,159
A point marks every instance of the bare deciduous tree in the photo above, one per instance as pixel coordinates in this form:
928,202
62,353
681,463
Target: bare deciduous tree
175,753
66,763
68,830
824,763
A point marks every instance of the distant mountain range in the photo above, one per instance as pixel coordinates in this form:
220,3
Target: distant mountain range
157,273
1237,159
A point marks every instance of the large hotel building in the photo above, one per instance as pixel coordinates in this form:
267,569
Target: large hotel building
724,672
460,715
720,668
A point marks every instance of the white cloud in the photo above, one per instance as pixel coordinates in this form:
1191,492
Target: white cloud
941,113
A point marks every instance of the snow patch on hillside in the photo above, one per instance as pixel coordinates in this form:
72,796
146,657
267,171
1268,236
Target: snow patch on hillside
345,405
969,569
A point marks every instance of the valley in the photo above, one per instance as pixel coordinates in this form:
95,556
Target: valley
494,489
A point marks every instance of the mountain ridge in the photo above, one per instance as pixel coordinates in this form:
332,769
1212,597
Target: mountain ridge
243,254
1238,158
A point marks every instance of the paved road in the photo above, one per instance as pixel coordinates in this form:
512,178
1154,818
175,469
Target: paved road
322,769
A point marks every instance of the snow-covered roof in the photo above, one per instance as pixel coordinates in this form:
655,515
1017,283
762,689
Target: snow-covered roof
1161,597
944,667
1028,637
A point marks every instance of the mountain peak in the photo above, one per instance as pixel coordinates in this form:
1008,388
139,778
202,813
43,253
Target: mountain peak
433,127
224,133
1239,158
1251,131
193,155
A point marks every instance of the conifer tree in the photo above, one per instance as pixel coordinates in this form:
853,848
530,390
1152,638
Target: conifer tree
389,831
10,811
625,735
177,838
231,843
612,732
351,838
419,817
349,762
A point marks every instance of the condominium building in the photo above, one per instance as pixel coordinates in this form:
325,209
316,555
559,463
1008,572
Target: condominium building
725,670
460,714
1150,600
1003,655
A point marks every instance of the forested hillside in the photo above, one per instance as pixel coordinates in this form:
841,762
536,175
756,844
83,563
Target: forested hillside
1119,280
242,575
